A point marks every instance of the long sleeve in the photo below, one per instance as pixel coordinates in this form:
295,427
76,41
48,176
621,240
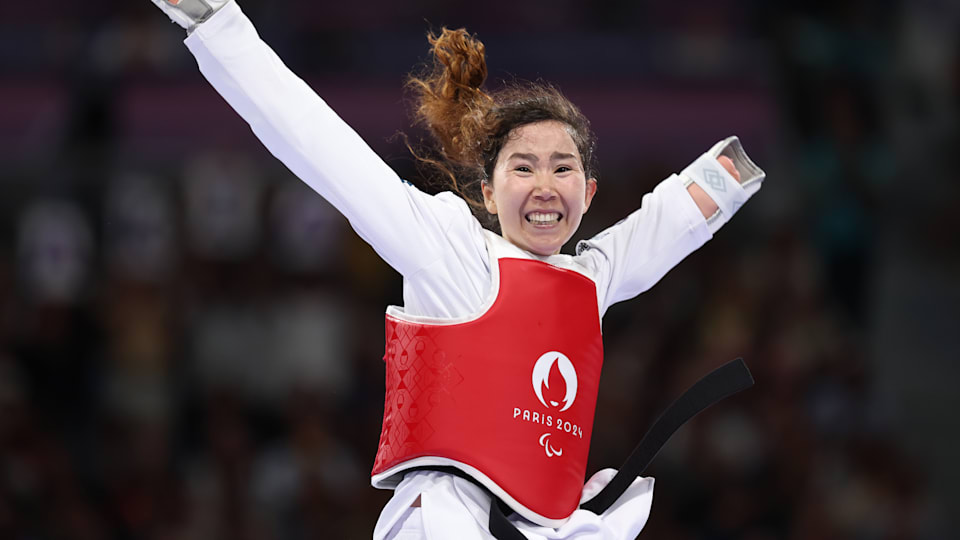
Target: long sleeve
404,225
633,255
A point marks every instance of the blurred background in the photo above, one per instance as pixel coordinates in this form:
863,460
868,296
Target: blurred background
191,340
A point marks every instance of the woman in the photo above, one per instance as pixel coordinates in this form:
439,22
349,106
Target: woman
493,361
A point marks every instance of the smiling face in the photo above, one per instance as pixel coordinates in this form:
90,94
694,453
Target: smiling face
538,189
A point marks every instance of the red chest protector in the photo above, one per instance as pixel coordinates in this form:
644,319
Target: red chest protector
507,397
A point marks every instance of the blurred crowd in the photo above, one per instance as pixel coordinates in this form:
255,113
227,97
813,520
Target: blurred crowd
191,339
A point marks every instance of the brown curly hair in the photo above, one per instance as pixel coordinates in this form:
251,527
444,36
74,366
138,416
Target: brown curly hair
469,127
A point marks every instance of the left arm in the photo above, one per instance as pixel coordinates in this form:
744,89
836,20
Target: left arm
674,220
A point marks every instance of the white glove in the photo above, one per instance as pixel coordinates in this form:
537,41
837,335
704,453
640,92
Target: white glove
189,13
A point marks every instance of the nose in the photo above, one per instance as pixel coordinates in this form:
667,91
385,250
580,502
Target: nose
544,195
544,189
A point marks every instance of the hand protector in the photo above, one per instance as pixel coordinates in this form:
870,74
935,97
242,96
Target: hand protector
719,184
189,13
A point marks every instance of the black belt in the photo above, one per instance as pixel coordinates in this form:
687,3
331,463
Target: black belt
718,384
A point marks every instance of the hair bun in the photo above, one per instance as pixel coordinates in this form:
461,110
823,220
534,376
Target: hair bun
462,56
450,101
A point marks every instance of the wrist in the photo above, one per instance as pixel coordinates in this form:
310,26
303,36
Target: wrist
708,207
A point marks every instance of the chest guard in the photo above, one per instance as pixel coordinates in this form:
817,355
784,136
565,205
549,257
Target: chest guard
507,397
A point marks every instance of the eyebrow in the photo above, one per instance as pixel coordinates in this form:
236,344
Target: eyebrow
556,156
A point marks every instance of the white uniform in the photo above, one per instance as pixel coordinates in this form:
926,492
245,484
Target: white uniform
439,248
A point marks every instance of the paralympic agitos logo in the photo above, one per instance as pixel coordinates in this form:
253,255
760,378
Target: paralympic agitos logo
555,386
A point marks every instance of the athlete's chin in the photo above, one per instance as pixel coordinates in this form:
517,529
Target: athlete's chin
544,251
545,246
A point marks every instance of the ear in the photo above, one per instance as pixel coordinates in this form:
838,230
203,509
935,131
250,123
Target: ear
590,192
488,201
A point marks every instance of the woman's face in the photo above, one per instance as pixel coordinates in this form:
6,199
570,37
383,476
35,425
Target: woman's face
539,191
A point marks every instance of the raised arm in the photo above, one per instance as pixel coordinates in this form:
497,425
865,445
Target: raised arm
405,226
675,219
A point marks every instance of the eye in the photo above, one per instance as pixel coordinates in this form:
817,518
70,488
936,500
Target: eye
522,168
563,169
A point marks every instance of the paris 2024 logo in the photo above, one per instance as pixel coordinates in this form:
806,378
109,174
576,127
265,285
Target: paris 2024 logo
555,385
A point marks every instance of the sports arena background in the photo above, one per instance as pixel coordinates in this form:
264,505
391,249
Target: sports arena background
191,340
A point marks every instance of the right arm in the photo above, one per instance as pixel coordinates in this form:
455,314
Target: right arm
404,225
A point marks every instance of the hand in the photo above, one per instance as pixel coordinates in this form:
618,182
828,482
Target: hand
189,13
728,165
707,205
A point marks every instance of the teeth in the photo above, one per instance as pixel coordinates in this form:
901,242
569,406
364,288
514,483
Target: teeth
543,217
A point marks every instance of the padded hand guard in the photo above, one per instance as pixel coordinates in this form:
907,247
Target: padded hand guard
189,13
719,184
